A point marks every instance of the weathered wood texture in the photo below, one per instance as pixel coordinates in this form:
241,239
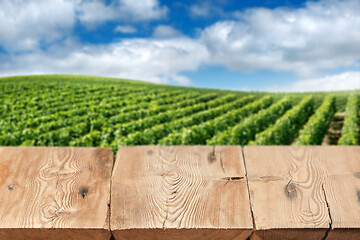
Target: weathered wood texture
300,192
54,193
180,192
342,189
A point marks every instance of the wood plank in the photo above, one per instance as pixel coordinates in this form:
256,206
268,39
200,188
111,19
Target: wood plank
286,191
180,192
54,193
342,188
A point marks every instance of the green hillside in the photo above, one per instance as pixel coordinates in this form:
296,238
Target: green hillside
71,110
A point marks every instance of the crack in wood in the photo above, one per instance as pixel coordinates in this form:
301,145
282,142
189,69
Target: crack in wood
328,208
211,156
222,164
251,236
248,188
270,178
233,178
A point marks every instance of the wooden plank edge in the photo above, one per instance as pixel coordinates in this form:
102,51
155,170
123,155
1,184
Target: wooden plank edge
182,233
55,233
289,233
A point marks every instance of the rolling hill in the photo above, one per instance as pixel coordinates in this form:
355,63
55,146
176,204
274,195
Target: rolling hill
71,110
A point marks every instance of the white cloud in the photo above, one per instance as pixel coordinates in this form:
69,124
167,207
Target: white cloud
343,81
94,12
205,9
163,31
198,10
25,23
323,35
156,60
125,29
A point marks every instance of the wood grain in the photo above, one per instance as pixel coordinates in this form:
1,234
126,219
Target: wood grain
286,191
342,188
183,192
54,193
180,192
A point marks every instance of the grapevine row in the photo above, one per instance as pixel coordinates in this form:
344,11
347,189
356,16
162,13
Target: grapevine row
286,128
85,120
153,134
200,133
245,131
315,129
350,130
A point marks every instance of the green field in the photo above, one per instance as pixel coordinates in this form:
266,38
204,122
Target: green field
70,110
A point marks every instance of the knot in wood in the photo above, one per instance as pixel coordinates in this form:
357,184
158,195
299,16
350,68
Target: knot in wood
290,190
83,191
11,187
211,157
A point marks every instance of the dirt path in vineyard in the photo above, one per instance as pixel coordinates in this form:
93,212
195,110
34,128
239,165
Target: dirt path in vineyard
334,132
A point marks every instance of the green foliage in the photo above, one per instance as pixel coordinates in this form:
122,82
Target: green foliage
315,129
210,110
67,110
285,128
350,130
245,131
198,134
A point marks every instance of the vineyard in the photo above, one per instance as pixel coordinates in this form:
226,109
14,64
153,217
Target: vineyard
88,111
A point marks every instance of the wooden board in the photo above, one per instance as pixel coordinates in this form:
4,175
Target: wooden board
342,188
286,191
180,192
304,192
54,193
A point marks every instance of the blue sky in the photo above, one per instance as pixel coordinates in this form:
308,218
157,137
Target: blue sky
271,45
